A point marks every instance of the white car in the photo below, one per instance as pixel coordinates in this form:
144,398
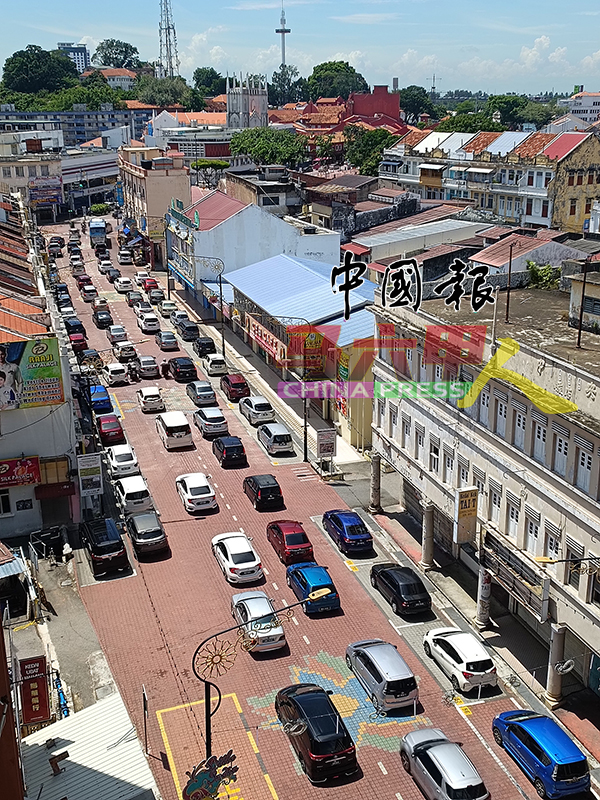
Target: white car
121,460
114,374
254,612
239,561
123,285
116,333
140,276
148,323
88,293
196,492
104,266
124,257
257,410
166,307
150,399
143,307
462,657
68,312
76,260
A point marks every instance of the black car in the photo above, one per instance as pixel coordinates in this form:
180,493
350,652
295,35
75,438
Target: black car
60,288
113,274
230,451
59,239
187,329
156,296
263,491
401,587
204,346
63,300
74,325
183,369
104,546
146,532
316,732
90,357
102,319
133,298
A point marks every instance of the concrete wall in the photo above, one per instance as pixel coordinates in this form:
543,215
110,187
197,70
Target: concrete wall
552,253
589,322
584,158
349,222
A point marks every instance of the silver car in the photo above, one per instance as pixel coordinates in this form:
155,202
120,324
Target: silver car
383,674
254,612
148,368
211,422
440,767
201,393
257,410
275,438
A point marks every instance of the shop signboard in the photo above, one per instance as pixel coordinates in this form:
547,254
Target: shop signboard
326,443
342,373
35,698
45,191
20,471
265,339
30,374
465,515
90,474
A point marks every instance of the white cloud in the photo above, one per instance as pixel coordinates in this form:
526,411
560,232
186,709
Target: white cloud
91,43
532,56
356,58
590,64
199,52
366,19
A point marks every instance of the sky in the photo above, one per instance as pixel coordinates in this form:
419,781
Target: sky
513,45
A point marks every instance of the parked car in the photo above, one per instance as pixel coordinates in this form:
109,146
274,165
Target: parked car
123,285
275,438
546,754
166,308
307,577
348,531
89,360
78,269
104,547
115,374
201,393
187,329
462,657
229,451
148,323
104,266
150,399
166,340
440,767
100,399
146,532
148,284
140,307
401,587
75,260
60,240
211,422
177,315
257,409
214,364
147,367
234,387
113,274
140,276
124,257
133,298
83,280
121,460
182,369
203,346
238,560
116,333
255,614
55,250
290,541
132,494
263,491
102,319
60,288
64,301
109,430
74,325
383,673
100,304
125,352
78,342
316,731
88,293
196,492
156,296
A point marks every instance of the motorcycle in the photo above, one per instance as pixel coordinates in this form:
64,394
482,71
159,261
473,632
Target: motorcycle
133,373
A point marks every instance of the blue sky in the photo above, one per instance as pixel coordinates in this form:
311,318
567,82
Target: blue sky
512,45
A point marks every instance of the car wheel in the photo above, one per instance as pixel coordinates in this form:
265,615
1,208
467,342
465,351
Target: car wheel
349,663
497,736
375,702
405,761
373,582
287,580
427,649
539,787
394,606
455,684
302,764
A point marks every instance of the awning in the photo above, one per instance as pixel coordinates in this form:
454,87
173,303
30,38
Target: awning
481,170
357,249
390,164
14,567
135,241
432,166
173,269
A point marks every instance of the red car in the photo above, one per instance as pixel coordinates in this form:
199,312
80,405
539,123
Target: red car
235,387
110,430
149,283
83,280
78,342
290,541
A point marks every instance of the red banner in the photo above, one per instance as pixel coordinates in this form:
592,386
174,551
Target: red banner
20,471
35,699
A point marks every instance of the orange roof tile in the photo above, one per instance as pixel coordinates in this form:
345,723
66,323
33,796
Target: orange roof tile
413,138
534,144
202,117
93,143
479,143
10,303
213,209
496,255
26,327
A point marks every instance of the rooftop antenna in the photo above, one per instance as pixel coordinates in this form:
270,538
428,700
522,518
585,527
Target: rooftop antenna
168,58
282,30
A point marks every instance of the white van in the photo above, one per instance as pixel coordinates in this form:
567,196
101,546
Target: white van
214,364
132,494
174,430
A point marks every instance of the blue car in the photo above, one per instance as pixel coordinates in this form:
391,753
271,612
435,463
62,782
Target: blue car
100,400
307,577
545,753
348,531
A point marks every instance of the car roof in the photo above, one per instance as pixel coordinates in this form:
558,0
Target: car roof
98,388
182,360
117,327
387,659
201,385
237,543
455,764
147,358
193,478
121,448
168,334
276,428
288,525
114,365
265,480
174,418
230,441
465,643
104,418
149,390
133,483
257,603
211,411
349,517
235,377
404,575
548,733
145,521
257,398
314,574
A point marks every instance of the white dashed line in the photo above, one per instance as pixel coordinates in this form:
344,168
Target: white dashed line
222,495
276,587
241,530
265,570
227,506
234,516
306,639
216,485
398,796
382,768
294,620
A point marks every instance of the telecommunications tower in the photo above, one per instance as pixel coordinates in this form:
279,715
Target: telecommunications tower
282,30
168,57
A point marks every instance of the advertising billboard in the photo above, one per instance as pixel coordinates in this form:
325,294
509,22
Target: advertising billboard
35,700
90,474
30,374
20,471
45,191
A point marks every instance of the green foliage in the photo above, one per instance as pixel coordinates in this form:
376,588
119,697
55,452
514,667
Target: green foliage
538,113
117,54
466,107
546,277
324,147
63,100
335,78
209,163
470,123
95,79
269,146
287,86
162,91
364,149
33,70
510,107
414,100
99,209
209,170
209,82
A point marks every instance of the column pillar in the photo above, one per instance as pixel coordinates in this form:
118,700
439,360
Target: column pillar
484,590
375,495
553,693
427,537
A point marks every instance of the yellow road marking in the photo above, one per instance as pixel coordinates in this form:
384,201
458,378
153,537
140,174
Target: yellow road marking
116,399
252,742
165,739
236,702
274,794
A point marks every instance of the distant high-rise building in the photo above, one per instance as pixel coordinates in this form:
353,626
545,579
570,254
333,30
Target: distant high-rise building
77,53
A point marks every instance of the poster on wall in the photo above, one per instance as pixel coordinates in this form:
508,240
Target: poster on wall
20,471
30,374
90,474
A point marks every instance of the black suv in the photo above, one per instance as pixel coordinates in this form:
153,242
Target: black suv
263,491
187,329
230,451
183,369
401,587
203,346
146,532
316,732
104,546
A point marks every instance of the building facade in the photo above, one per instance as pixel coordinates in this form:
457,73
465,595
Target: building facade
247,103
37,177
78,53
585,105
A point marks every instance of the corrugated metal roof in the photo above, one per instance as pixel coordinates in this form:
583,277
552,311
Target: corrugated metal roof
496,255
357,249
105,757
429,215
296,287
360,326
213,209
534,145
410,232
412,138
506,142
480,142
564,144
227,289
456,141
14,567
430,142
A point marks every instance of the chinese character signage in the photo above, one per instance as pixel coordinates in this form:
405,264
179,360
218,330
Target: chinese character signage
206,779
265,339
35,699
465,515
20,471
90,474
30,374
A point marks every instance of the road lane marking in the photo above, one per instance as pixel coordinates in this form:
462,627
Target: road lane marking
269,782
382,768
398,796
306,639
241,530
295,621
216,485
234,516
276,587
222,495
252,742
228,506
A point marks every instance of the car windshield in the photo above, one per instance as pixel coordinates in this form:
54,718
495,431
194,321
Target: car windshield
356,530
401,687
204,390
168,336
110,426
283,438
296,538
235,450
413,588
143,493
480,666
243,558
472,792
153,533
195,491
179,429
263,407
576,769
121,458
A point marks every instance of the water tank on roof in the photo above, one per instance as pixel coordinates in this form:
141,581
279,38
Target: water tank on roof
145,163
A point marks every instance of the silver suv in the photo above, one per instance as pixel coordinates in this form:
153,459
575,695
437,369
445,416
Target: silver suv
383,674
440,767
275,438
211,422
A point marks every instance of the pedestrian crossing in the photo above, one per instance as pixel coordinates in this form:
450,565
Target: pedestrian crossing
304,473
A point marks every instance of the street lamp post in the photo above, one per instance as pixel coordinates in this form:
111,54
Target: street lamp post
217,266
220,659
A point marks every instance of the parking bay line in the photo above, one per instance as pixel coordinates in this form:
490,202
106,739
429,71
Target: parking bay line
306,639
276,587
382,768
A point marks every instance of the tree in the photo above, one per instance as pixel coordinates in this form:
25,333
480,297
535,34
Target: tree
414,101
162,91
364,149
324,147
209,170
510,107
539,114
466,107
335,78
209,82
470,123
269,146
118,54
95,79
35,70
287,86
